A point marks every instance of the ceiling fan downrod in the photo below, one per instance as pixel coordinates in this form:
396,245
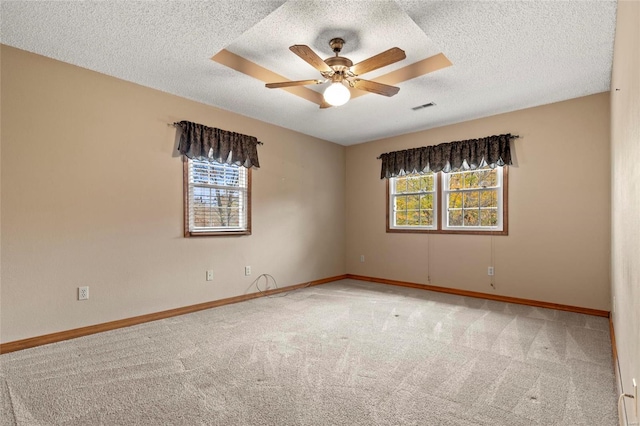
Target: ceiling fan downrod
338,63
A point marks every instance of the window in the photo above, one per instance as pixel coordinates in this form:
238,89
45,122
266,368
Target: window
413,201
465,202
217,199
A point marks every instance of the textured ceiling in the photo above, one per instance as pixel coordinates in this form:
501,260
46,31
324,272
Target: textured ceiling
506,55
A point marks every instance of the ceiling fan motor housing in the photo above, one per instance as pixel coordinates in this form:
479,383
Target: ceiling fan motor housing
338,63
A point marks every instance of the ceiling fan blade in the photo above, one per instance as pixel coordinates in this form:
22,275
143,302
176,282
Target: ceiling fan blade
292,83
310,57
380,60
325,104
375,87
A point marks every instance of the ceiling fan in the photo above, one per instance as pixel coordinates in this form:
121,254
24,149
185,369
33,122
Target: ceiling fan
340,70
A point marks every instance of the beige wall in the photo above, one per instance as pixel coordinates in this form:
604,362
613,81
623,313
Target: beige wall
625,198
557,249
92,195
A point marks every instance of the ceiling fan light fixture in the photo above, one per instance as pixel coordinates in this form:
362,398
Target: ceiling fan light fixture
339,70
337,94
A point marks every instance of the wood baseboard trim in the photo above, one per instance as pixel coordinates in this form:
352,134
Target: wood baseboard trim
488,296
31,342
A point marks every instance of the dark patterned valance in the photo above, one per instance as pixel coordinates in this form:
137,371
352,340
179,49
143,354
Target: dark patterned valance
491,151
208,143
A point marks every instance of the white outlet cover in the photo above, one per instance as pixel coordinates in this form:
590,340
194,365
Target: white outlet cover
83,293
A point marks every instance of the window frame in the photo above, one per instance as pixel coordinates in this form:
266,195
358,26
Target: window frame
436,206
440,204
186,207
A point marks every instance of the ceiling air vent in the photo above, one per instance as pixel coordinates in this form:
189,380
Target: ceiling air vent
430,104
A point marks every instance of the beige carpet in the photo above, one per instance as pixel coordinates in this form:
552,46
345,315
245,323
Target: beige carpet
345,353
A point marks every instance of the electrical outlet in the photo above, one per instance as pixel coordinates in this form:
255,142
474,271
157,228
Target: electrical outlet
247,271
362,258
83,293
490,271
210,275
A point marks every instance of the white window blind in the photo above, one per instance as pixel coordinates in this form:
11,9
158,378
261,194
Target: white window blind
217,197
